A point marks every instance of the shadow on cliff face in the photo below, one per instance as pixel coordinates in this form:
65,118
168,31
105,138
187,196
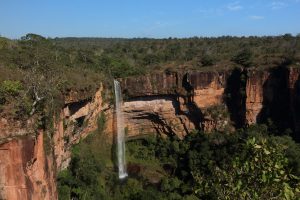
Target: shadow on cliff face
296,111
276,102
194,114
235,97
75,106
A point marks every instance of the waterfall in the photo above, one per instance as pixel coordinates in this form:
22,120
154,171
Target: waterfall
120,132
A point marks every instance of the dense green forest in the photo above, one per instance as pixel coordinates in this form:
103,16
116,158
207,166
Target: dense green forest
251,163
248,164
34,67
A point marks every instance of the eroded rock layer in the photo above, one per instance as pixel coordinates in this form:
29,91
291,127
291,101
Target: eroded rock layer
173,103
31,158
167,103
248,96
26,172
158,114
255,94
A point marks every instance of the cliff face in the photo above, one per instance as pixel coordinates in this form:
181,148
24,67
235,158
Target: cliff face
274,95
173,103
26,172
294,91
184,101
159,114
255,94
76,120
177,83
30,159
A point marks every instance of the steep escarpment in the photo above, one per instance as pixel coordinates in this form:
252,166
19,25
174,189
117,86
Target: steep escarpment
75,121
212,100
175,102
27,172
167,103
255,94
294,92
30,157
158,114
272,96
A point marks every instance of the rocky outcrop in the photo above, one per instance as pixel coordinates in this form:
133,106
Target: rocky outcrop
177,83
248,96
273,95
158,114
30,159
255,94
169,103
26,172
75,122
13,129
208,88
172,103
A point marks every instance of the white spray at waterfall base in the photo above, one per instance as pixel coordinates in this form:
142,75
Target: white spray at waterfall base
120,132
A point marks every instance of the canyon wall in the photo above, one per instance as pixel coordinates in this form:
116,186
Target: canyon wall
167,103
76,120
30,158
174,103
274,95
26,171
178,102
255,94
294,92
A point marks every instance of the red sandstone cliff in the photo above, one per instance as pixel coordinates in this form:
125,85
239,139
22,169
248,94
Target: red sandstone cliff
166,103
294,89
30,158
26,171
76,120
255,94
274,95
177,102
173,103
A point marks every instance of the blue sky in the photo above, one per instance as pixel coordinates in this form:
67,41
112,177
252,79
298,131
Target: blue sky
148,18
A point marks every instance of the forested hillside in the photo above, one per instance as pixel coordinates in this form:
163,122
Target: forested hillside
247,164
33,66
254,160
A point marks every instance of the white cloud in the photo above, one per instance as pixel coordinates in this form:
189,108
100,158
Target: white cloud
235,6
275,5
256,17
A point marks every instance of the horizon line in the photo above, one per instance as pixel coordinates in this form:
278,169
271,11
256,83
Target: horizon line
149,37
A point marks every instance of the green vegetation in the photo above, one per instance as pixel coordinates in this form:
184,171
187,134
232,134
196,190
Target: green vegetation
47,68
243,57
207,60
36,73
9,87
88,168
248,164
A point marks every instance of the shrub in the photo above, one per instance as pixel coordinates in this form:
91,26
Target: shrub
243,57
12,88
259,170
207,60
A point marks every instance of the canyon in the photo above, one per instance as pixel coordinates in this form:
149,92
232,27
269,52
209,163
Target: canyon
170,103
178,102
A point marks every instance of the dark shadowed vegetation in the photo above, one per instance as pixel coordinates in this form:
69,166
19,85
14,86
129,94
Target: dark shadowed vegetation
248,164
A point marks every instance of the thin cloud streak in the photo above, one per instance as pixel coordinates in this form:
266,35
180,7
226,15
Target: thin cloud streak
235,6
256,17
276,5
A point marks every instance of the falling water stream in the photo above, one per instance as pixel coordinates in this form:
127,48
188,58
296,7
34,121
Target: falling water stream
120,132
